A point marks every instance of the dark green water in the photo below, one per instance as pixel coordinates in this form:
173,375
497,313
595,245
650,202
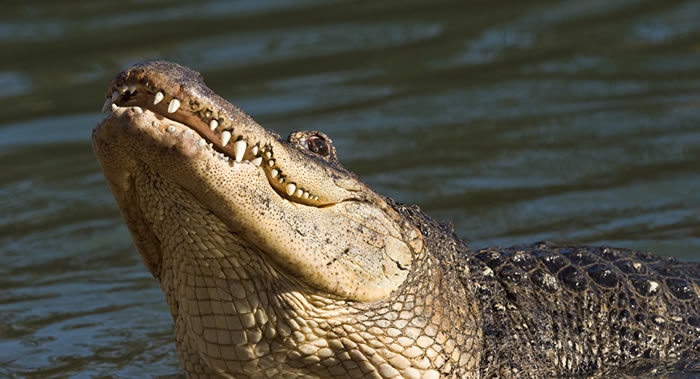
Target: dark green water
518,121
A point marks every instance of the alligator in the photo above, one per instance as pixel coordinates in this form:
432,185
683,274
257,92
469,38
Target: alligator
276,261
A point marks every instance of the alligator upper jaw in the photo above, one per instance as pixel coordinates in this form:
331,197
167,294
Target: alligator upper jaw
179,94
354,248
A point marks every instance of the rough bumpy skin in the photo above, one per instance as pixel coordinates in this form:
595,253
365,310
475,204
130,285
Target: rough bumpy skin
554,310
277,262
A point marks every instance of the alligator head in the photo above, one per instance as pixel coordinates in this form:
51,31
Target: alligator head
267,249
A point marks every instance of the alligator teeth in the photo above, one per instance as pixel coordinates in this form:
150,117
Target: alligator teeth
173,106
137,109
271,162
132,88
305,195
225,137
254,150
171,129
154,123
257,161
315,197
202,142
105,106
239,149
123,88
189,133
298,192
158,98
213,124
268,154
115,95
274,173
114,107
290,188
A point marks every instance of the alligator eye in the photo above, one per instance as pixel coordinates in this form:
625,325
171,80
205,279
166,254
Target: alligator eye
318,145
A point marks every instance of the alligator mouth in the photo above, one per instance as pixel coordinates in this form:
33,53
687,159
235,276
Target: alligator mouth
175,154
215,131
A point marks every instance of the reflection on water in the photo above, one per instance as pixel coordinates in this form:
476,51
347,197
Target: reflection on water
570,121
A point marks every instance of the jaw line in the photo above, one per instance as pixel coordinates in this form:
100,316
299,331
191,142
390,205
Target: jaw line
128,138
151,135
197,107
296,236
164,133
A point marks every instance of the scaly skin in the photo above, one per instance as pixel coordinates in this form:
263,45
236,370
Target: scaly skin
316,275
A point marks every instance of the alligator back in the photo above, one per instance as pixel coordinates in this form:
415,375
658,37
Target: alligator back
553,311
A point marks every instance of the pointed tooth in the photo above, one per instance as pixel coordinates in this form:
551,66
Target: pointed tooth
280,179
189,133
115,95
173,106
158,97
315,197
225,137
132,88
268,154
138,109
254,150
213,124
298,192
239,149
274,173
271,162
290,188
154,123
257,161
305,195
105,106
114,107
170,129
123,88
202,142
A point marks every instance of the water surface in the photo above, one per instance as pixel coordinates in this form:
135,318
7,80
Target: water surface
568,121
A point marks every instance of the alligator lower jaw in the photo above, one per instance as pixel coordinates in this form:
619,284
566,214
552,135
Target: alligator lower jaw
210,129
155,135
130,138
310,243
